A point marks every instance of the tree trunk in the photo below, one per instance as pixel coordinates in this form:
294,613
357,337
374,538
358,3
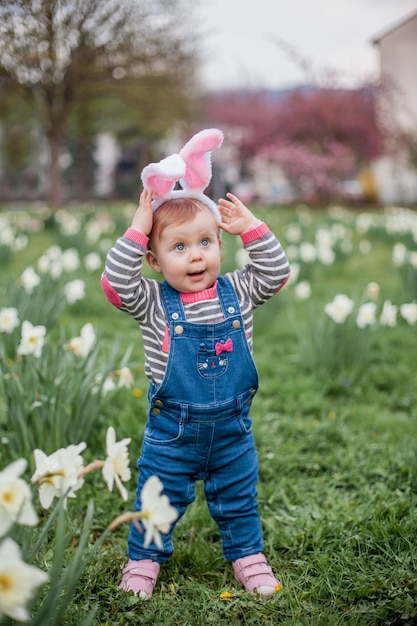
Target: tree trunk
55,194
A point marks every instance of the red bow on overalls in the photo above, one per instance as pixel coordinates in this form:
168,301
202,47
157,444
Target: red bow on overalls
227,346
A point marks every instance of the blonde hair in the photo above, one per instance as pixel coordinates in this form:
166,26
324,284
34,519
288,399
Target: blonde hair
175,211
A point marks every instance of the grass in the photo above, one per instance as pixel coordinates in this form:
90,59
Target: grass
337,459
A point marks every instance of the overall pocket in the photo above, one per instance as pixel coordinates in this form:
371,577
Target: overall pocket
211,363
162,428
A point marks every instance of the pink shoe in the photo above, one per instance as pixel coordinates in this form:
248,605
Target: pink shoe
256,575
140,577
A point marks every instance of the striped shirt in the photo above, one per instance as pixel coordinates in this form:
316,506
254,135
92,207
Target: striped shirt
125,287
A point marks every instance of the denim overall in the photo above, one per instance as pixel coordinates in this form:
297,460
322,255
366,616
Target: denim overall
199,427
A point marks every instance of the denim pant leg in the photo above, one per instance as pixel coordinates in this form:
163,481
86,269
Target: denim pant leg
178,486
231,492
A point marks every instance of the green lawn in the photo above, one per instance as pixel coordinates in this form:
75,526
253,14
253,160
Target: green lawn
337,446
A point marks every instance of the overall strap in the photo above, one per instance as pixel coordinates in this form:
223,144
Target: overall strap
228,297
171,301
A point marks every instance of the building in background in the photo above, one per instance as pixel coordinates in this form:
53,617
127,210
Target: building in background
396,178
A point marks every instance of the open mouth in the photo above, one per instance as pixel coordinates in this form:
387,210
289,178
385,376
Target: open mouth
196,275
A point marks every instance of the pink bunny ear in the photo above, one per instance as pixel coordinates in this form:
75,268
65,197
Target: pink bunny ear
197,156
160,178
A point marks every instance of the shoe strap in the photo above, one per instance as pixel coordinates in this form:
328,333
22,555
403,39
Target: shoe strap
143,568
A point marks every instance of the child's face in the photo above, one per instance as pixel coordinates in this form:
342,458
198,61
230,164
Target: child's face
188,254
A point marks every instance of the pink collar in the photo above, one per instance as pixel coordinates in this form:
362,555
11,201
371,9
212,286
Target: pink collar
198,296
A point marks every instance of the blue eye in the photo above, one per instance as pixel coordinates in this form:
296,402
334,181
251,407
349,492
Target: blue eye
205,242
180,247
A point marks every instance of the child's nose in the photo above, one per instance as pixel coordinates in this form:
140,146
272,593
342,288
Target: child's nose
195,253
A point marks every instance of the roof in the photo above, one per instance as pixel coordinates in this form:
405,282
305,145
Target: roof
389,31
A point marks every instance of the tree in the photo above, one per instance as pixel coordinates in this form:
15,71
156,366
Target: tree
320,136
75,59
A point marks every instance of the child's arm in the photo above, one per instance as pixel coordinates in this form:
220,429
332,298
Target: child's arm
268,269
122,280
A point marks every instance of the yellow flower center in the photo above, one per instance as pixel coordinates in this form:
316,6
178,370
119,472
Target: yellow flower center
5,583
8,496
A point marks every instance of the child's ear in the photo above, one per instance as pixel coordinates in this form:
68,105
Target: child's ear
152,261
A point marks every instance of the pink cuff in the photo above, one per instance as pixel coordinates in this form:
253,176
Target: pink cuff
137,237
258,231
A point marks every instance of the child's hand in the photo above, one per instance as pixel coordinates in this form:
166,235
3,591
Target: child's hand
236,217
143,218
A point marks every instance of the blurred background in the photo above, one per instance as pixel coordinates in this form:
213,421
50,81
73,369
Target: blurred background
317,98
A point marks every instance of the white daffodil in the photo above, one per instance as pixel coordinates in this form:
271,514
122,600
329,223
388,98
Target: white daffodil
84,343
409,312
18,582
51,262
399,254
293,232
326,255
125,377
59,473
32,339
74,291
70,260
340,307
108,385
307,252
30,280
92,262
388,315
157,513
9,319
20,242
116,466
302,290
15,498
366,315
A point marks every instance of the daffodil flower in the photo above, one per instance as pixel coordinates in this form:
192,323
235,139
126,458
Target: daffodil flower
340,307
74,291
83,344
409,312
30,280
125,377
32,339
156,514
366,315
116,466
9,319
388,315
59,474
18,581
15,498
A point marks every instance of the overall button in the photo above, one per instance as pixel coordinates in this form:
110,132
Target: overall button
175,316
231,309
236,324
178,330
156,411
159,402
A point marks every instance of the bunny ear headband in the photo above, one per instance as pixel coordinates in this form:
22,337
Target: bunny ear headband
191,168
